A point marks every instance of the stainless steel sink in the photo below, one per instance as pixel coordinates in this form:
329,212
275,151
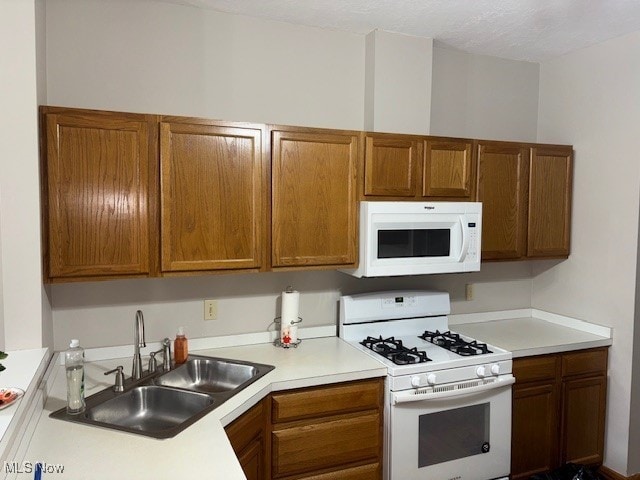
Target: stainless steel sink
163,404
209,375
151,409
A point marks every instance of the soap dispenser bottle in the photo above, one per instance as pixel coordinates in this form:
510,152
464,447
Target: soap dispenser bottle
180,347
74,366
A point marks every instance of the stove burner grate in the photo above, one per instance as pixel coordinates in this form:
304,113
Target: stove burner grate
454,343
393,350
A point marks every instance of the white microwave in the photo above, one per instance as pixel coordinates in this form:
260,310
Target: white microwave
418,238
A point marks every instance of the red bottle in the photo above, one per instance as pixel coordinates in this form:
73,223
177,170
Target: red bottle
180,347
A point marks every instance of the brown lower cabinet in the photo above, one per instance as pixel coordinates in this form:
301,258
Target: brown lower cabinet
559,403
319,433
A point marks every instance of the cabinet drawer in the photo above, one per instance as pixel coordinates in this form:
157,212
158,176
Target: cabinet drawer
590,361
325,401
533,369
363,472
325,445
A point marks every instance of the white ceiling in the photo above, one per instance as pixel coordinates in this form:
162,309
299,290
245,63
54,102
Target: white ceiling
533,30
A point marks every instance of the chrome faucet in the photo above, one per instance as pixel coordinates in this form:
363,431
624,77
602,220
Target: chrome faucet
138,342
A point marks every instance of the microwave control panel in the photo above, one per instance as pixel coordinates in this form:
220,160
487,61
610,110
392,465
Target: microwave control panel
474,247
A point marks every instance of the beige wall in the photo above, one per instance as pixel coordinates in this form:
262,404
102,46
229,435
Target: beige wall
591,99
478,96
149,56
398,83
19,184
102,313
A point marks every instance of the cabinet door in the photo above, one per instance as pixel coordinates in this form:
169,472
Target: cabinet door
211,193
252,461
328,444
98,193
583,415
534,443
390,164
247,435
503,177
448,170
314,199
549,202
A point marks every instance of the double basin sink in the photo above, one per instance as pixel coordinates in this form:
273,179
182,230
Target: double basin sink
163,404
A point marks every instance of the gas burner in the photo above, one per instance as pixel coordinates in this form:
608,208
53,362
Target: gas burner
454,343
393,350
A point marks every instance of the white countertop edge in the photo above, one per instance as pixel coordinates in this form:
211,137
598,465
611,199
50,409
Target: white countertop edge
32,368
122,351
574,323
458,318
530,352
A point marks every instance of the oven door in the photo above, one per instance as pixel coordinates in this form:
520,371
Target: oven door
457,432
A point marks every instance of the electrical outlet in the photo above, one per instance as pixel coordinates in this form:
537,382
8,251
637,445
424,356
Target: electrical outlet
210,309
468,291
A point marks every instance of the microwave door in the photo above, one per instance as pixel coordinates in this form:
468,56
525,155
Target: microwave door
426,243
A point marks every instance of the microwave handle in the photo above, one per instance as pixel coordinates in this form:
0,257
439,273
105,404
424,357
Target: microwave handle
465,239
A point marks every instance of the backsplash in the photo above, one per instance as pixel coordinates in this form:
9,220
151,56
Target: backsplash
102,313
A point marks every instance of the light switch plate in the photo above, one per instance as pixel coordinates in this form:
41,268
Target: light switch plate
210,309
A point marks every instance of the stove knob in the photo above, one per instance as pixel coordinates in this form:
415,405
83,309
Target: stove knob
415,382
431,379
481,371
495,369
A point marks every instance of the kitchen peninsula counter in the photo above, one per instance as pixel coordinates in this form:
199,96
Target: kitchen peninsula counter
203,449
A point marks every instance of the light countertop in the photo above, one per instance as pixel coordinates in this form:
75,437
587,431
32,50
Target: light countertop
529,336
200,451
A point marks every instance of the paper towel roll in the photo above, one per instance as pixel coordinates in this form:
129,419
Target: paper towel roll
290,304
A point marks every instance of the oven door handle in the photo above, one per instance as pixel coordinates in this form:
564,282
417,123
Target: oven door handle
413,396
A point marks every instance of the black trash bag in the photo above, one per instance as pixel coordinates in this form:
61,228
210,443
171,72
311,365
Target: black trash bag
570,471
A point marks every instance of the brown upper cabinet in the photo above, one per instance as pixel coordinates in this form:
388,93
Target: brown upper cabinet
406,167
525,192
212,195
314,198
448,170
503,185
99,182
391,165
132,195
549,201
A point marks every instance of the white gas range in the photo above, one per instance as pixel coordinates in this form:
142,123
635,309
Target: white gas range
448,397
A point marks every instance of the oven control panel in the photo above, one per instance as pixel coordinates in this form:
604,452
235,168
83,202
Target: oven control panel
399,302
441,377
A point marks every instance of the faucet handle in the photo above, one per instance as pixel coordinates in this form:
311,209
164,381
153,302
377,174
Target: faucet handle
119,385
153,363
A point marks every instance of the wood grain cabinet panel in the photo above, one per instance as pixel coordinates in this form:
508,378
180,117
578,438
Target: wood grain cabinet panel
211,195
448,170
534,430
248,437
390,163
98,183
503,178
314,198
583,420
363,472
325,444
310,403
550,201
558,417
